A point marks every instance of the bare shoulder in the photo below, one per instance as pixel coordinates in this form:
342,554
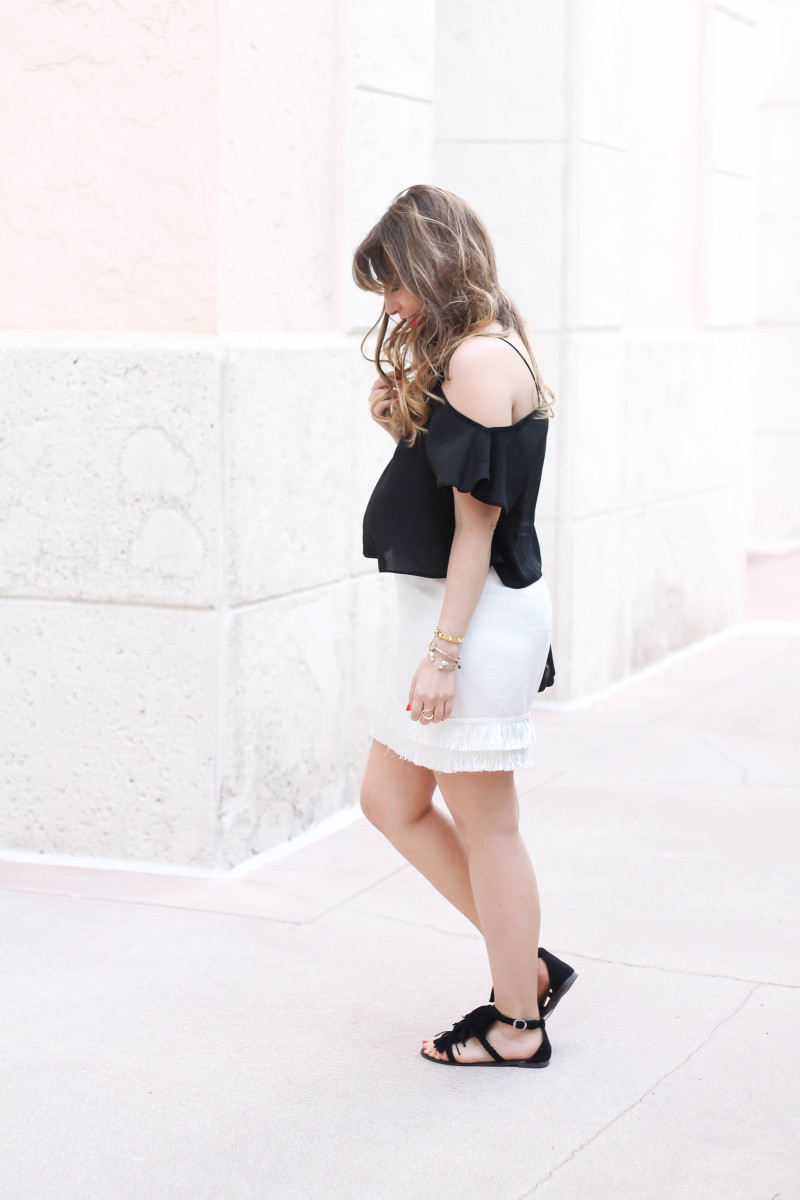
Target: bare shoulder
481,351
480,381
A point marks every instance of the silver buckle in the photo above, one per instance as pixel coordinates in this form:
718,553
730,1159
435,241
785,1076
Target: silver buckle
520,1024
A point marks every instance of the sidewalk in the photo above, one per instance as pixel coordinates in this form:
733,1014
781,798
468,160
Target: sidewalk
257,1039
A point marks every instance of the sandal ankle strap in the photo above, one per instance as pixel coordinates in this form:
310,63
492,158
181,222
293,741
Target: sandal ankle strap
518,1023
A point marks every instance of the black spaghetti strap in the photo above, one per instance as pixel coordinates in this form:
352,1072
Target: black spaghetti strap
500,338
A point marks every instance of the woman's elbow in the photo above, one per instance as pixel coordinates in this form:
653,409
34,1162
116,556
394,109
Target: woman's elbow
478,524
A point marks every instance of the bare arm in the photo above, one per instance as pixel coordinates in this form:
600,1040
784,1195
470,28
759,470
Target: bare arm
479,387
468,566
469,561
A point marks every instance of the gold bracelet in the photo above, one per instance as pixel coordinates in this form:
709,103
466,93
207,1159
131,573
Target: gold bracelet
448,637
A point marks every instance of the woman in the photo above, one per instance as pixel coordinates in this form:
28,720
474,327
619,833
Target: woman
452,517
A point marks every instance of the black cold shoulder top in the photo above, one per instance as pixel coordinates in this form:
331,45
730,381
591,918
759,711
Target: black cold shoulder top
409,522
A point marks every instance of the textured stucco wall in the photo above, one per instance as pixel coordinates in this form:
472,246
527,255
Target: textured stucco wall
190,634
109,523
109,484
304,617
108,210
108,715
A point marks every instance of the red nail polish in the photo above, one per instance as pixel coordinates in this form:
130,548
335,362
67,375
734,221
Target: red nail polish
408,708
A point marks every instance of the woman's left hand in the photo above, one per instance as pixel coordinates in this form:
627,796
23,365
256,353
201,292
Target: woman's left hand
432,690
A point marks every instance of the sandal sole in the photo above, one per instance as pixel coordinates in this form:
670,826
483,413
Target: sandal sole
559,995
445,1062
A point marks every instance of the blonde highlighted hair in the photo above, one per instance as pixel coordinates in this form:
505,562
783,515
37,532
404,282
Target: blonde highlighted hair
434,245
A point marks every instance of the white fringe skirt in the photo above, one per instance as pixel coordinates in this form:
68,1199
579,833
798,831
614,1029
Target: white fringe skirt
503,658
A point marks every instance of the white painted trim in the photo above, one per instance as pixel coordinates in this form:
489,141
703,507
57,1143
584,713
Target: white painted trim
332,824
125,339
129,865
216,343
270,340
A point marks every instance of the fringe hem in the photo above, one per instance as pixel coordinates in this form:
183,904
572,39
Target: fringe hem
468,744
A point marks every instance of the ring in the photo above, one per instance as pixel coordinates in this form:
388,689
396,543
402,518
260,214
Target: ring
427,715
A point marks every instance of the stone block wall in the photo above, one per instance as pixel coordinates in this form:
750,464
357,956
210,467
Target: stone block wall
190,632
110,502
305,621
190,635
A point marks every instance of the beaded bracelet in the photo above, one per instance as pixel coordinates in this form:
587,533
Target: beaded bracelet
448,637
438,650
451,665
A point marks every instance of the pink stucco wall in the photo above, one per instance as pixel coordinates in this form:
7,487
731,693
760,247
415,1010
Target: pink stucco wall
109,140
281,173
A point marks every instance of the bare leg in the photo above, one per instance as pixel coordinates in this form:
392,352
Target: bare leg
397,797
485,809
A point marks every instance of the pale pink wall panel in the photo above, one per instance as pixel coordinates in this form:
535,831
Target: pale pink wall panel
283,144
108,136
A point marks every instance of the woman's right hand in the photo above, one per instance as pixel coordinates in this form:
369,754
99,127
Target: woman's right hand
381,400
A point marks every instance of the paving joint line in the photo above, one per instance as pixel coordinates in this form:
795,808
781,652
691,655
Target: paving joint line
619,962
360,892
741,767
364,912
216,912
542,783
649,1091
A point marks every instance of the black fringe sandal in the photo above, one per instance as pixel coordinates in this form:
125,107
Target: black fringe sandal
475,1024
562,977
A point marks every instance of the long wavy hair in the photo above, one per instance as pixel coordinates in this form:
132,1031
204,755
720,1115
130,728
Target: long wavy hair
434,245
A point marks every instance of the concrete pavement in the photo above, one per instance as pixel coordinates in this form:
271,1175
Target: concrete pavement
169,1038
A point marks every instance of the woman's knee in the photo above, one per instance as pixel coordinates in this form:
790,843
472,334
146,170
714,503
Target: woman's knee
482,806
387,806
372,801
396,793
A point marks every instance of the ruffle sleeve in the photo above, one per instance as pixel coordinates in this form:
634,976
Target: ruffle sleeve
473,458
